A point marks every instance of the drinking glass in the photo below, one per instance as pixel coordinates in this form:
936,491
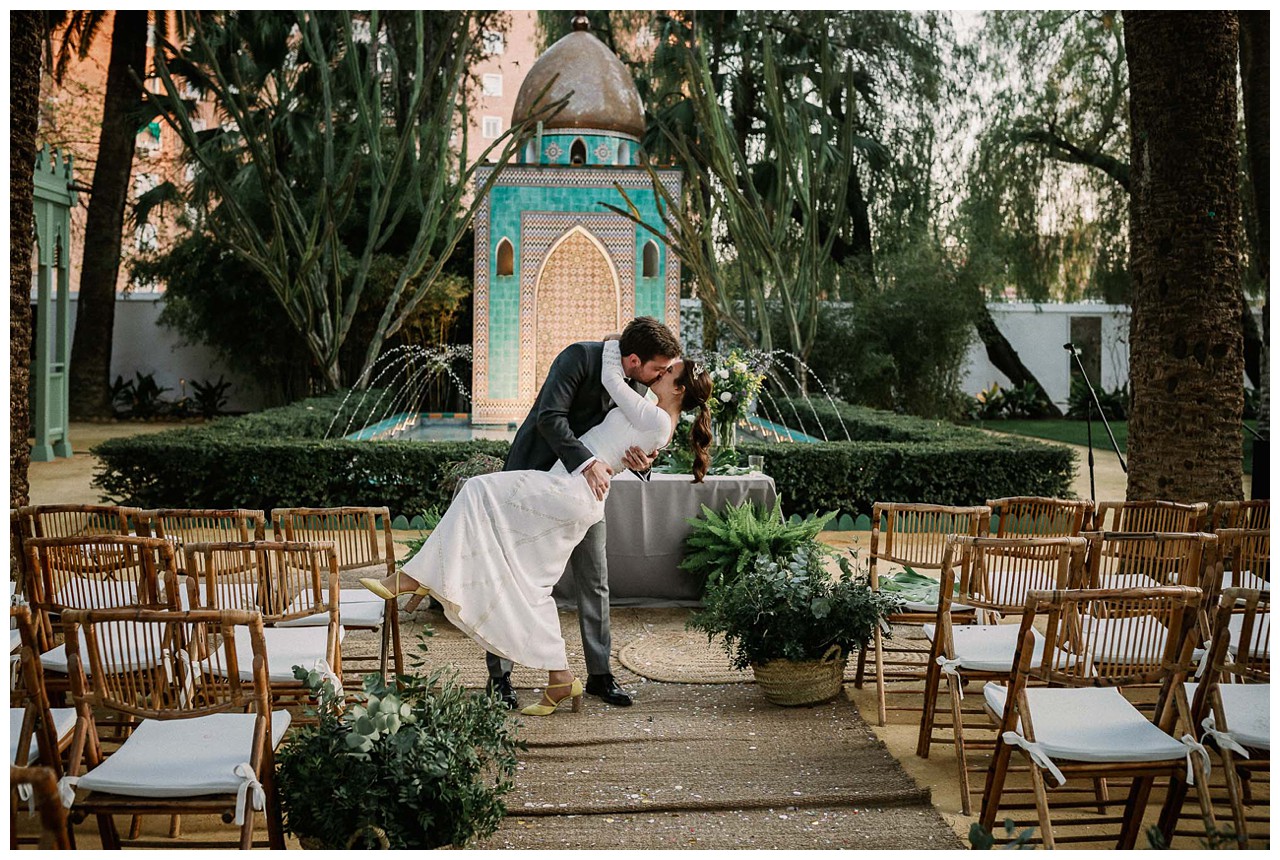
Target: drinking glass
755,462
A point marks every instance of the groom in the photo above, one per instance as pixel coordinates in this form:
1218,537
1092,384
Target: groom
572,401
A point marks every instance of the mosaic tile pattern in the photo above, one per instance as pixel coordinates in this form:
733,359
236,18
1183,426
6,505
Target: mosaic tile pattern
577,298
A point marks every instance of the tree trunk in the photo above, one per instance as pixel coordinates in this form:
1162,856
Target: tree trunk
1186,346
90,372
24,91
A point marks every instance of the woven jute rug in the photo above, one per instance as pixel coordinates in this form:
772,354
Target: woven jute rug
686,657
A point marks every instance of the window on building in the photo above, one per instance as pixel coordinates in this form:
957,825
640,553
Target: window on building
493,42
492,84
578,152
650,264
491,127
506,259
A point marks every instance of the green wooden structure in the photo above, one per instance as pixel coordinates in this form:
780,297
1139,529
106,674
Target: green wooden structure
54,197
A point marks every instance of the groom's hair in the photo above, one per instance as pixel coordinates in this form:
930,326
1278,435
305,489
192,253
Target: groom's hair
646,337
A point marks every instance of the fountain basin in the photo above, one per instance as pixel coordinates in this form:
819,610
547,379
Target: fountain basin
432,427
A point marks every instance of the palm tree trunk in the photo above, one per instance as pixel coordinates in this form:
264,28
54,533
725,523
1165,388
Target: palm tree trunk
1186,346
24,89
1255,82
90,370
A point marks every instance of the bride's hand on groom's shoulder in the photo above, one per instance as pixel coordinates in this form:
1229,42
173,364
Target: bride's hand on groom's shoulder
614,336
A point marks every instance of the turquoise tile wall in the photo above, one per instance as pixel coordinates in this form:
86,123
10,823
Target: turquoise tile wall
506,203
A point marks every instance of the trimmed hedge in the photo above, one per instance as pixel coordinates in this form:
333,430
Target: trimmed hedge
280,458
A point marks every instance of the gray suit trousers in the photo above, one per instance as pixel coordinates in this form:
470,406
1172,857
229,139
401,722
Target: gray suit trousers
591,583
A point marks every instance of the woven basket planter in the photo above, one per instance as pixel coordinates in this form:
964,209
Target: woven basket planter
801,682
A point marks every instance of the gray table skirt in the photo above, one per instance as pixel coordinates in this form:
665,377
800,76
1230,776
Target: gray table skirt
647,523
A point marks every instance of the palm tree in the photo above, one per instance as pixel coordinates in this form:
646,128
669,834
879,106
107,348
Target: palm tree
24,83
100,264
1186,349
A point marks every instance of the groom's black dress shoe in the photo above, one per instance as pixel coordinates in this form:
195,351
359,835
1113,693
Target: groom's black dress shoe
607,689
502,686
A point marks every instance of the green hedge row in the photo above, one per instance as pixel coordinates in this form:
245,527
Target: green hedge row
280,458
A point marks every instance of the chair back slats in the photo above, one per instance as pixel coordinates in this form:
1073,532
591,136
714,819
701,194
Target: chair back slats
996,574
1137,560
915,535
361,536
164,664
1038,516
98,572
1243,560
1246,514
1150,516
181,526
283,580
47,521
1241,645
1112,637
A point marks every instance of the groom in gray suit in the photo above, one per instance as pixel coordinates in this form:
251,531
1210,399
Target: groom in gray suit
572,401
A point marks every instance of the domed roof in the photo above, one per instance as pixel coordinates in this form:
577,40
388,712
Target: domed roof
604,95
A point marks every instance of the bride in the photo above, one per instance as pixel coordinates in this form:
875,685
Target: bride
505,540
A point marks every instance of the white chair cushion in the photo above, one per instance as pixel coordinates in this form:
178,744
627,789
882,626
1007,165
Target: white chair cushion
286,648
182,758
1248,712
1244,579
1261,644
357,607
15,641
991,647
64,720
1115,639
1093,724
121,641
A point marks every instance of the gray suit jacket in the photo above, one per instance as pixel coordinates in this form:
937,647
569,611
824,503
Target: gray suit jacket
572,401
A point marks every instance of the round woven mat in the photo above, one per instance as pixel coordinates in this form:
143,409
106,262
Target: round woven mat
685,657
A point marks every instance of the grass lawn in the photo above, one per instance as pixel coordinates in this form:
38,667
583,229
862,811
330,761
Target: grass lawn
1073,432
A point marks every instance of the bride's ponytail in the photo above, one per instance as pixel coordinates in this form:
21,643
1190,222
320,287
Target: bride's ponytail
700,441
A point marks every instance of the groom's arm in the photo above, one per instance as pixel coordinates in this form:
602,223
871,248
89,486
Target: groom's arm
567,374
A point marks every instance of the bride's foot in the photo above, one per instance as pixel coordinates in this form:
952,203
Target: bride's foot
550,701
392,587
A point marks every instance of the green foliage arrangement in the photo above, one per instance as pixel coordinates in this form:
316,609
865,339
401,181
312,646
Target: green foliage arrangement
721,545
419,757
1114,403
996,402
791,608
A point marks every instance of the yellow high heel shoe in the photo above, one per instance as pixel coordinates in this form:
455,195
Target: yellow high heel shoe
376,586
545,710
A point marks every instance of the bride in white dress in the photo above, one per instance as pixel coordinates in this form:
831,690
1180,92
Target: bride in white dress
505,540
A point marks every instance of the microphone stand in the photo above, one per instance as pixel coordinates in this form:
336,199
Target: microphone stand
1090,405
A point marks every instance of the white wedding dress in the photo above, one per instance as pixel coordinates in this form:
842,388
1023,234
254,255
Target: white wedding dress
505,540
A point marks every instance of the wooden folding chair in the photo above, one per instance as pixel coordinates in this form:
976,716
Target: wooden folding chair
1231,704
46,521
38,733
181,526
92,572
1150,516
362,538
197,681
910,535
993,577
1136,559
284,582
1079,725
1038,516
1247,514
40,785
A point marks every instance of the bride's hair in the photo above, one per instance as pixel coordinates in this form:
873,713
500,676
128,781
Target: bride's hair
696,382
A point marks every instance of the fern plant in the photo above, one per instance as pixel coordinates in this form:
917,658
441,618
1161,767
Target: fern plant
721,545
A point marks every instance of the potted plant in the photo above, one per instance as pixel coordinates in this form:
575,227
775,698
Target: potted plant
792,621
414,762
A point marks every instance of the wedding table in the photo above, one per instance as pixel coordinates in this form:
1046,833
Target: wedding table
646,525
